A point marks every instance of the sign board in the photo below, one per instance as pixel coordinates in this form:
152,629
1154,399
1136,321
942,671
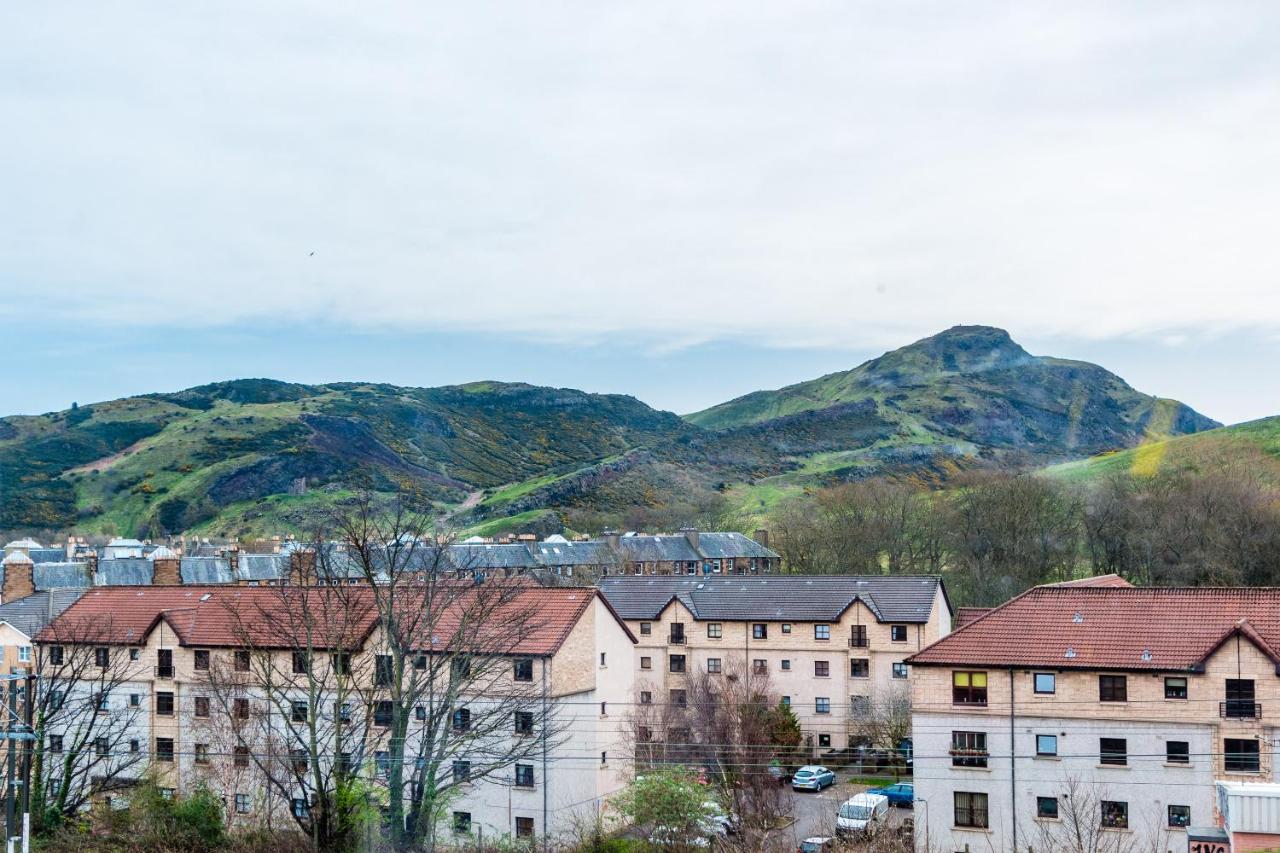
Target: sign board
1207,839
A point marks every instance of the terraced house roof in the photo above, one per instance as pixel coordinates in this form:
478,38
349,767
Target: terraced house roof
797,598
1112,627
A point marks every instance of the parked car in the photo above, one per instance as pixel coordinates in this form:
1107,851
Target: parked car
779,773
812,777
862,814
902,794
817,844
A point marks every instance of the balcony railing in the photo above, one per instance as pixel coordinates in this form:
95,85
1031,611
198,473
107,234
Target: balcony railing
1238,709
858,643
677,639
164,671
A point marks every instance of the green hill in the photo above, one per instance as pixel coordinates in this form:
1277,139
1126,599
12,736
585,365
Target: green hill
1255,444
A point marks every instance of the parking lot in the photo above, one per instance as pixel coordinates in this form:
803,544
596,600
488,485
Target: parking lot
815,814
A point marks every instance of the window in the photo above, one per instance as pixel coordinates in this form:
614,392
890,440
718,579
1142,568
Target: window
821,669
899,669
56,655
898,633
713,666
1046,744
822,632
824,740
459,668
1113,688
1179,816
971,809
522,669
201,659
524,827
603,660
104,701
1240,756
461,770
646,662
300,807
102,657
1175,688
461,823
860,705
1177,752
101,747
24,654
55,743
242,756
301,662
786,701
786,664
167,793
1113,751
524,722
822,705
242,660
202,753
646,628
419,662
858,636
202,706
135,745
968,749
135,700
860,668
714,631
677,663
242,803
240,709
679,699
1046,682
164,703
677,632
969,688
298,711
298,757
383,713
340,663
646,697
604,709
524,775
55,700
164,749
1240,696
759,666
342,712
1047,808
384,670
461,719
786,627
1115,815
134,654
382,761
759,631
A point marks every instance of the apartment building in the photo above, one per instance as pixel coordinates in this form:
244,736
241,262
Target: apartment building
1113,711
161,711
829,644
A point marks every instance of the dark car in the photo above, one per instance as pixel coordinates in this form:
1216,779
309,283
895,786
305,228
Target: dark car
902,794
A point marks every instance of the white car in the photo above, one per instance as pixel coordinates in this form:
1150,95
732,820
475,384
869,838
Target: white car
862,814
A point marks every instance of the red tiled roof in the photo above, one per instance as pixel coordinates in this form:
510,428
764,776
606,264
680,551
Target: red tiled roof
965,615
221,616
1110,627
1107,581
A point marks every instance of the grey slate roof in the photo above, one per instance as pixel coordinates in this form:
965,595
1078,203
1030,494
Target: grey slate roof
262,567
32,613
480,557
60,575
654,549
592,553
716,546
48,555
206,570
798,598
127,571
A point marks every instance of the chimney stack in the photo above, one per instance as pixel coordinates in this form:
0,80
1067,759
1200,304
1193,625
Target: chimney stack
762,536
611,538
18,580
302,567
691,534
166,567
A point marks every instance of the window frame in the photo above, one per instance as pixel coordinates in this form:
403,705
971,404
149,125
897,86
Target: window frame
1177,756
1185,687
1184,819
1053,683
822,632
715,630
895,630
759,630
1040,753
1041,813
978,816
1241,759
1120,814
821,669
969,690
1113,751
969,749
1107,688
822,704
900,670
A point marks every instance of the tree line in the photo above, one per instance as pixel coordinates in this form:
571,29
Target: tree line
1202,521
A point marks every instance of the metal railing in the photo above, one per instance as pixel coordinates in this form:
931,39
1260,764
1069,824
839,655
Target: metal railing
1239,709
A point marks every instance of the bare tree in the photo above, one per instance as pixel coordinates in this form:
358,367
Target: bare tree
885,720
89,729
1086,815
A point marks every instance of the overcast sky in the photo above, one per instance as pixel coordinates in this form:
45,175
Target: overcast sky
679,201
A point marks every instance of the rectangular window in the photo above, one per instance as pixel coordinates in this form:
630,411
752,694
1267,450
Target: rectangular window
459,668
1115,814
1113,688
1175,688
677,633
679,699
298,711
969,688
340,663
677,663
1113,751
524,827
104,701
1240,696
242,660
202,706
240,709
102,657
968,749
202,753
384,670
824,740
1047,808
604,657
821,669
24,654
420,713
524,775
1046,683
858,636
300,807
135,700
786,627
55,743
524,722
461,770
241,754
242,803
970,809
135,745
759,666
461,719
786,701
713,666
860,668
164,663
898,633
822,632
164,703
1179,816
646,662
461,823
101,747
56,655
759,631
646,628
899,669
822,705
420,662
164,749
383,712
1046,744
786,665
1240,756
523,669
646,697
298,757
301,662
714,630
1177,752
201,658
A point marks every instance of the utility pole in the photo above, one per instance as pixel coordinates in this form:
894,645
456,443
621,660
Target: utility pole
14,732
11,765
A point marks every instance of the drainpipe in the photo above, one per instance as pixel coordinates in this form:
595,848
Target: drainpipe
546,830
1013,771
